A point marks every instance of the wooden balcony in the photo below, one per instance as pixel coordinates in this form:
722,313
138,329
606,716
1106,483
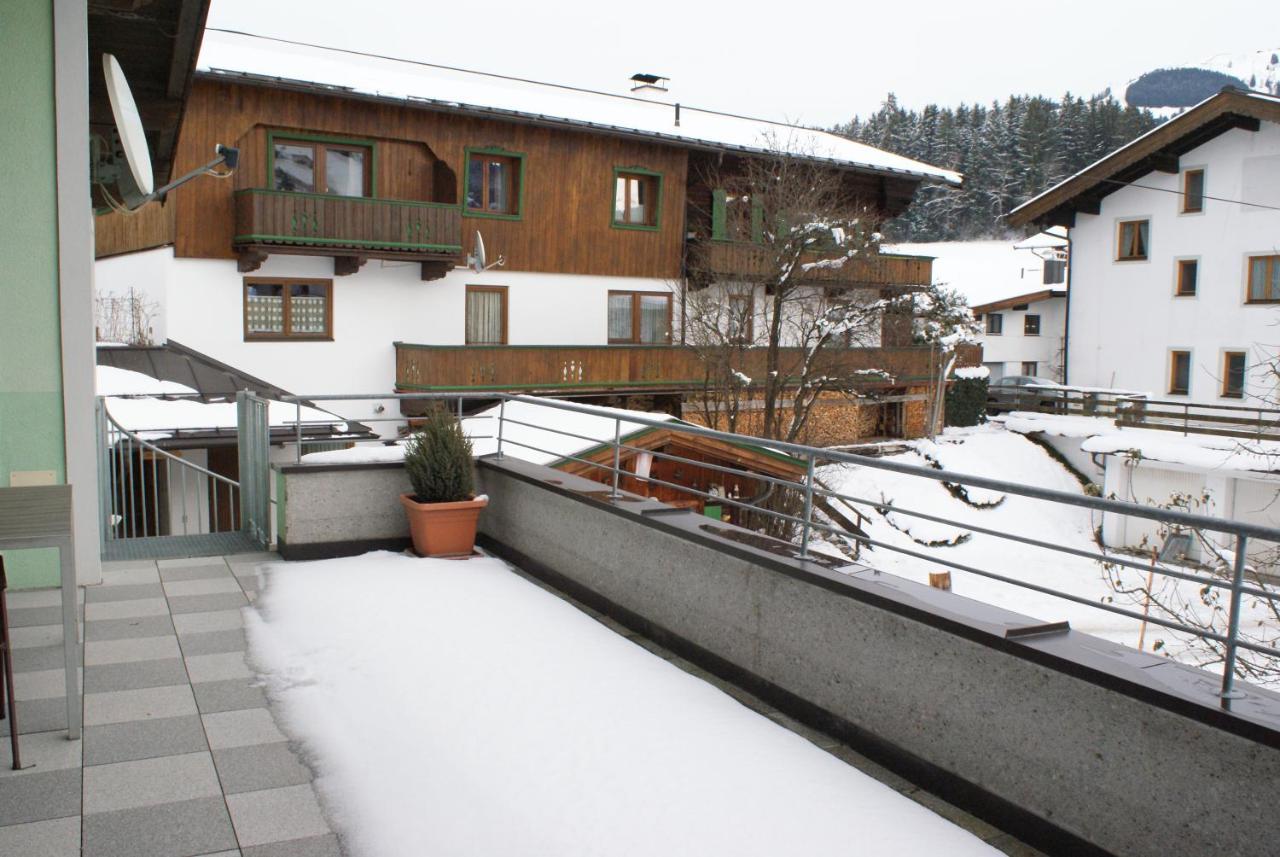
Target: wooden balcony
351,229
744,259
634,368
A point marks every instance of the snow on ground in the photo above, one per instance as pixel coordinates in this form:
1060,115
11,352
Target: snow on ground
990,451
455,708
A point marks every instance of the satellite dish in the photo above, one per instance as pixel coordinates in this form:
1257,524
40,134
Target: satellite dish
133,139
476,261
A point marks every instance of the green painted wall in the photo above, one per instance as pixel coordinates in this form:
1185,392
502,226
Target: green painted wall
31,429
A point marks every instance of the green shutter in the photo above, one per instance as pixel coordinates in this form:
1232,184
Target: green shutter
757,222
717,214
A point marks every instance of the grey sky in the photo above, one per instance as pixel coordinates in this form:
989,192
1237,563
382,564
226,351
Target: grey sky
813,63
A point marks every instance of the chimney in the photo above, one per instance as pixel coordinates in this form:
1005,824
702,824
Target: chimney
645,84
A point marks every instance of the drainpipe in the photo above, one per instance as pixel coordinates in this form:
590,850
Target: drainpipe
1066,322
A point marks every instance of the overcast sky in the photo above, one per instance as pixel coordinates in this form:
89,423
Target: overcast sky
815,63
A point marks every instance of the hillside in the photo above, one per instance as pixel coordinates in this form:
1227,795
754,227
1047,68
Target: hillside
1168,91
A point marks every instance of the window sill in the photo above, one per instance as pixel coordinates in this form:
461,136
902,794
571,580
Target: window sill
1184,294
1267,302
635,227
1133,259
284,338
491,215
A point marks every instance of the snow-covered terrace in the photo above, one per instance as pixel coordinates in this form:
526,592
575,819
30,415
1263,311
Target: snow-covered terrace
290,63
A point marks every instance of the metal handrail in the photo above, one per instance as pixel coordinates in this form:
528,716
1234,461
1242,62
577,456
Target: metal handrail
810,489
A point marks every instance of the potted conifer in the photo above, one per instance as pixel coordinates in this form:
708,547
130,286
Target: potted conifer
443,509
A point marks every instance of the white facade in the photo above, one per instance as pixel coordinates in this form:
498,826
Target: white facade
1015,348
200,303
1125,318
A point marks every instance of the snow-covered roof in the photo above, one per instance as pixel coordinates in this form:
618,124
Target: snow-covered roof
154,418
434,86
982,271
114,381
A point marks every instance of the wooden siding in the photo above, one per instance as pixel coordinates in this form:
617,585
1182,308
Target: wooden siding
150,226
740,258
622,367
566,224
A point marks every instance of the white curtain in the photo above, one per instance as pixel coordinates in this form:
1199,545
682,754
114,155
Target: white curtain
484,317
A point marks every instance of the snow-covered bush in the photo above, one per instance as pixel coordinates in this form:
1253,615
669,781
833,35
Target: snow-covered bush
438,460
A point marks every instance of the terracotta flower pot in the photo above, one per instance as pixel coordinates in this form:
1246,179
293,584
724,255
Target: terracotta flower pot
443,529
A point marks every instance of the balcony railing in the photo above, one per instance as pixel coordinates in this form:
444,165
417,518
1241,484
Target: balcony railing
550,368
347,225
742,258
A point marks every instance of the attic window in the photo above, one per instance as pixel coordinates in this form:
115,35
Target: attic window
1134,239
1193,191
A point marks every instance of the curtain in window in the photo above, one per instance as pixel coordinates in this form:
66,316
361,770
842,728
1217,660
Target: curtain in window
620,200
497,186
639,202
307,309
475,183
265,309
484,317
344,172
653,318
620,317
1264,278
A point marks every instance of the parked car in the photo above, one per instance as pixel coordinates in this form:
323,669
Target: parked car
1025,393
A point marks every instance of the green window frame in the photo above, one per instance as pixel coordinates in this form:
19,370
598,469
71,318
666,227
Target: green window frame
720,218
655,178
285,136
519,180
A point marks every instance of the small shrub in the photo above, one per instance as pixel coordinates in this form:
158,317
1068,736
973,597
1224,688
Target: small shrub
438,458
966,403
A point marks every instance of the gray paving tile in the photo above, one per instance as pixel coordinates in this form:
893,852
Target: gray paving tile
181,829
214,642
311,846
35,635
132,576
191,562
148,782
241,728
262,766
23,598
39,796
206,586
218,667
146,704
206,603
134,675
122,592
39,684
42,752
229,695
144,739
25,617
97,653
194,572
276,815
124,629
38,715
203,623
127,609
57,837
37,658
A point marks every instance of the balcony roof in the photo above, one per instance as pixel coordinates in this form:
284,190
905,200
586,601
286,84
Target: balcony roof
295,65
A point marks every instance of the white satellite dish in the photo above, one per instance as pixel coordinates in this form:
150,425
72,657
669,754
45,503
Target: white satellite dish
128,125
476,261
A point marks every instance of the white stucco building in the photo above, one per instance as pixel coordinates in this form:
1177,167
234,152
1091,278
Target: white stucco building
1175,256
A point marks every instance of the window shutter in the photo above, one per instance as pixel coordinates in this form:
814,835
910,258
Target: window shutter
718,214
757,222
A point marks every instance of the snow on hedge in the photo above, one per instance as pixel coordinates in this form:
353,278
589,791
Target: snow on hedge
455,708
972,373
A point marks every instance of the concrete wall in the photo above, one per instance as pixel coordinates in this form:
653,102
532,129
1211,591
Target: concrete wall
1124,315
1126,751
340,510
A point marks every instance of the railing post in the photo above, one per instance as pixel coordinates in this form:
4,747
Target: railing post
1186,417
1233,623
808,510
617,458
297,434
502,413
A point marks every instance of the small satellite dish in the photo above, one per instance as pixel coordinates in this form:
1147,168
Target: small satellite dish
476,261
133,139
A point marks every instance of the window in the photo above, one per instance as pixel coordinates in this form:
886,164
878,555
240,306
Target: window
1020,307
636,197
1264,279
1188,271
317,166
1193,191
1029,368
493,182
1135,236
288,309
642,318
1179,373
486,322
1031,327
741,318
1233,369
995,323
1055,271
